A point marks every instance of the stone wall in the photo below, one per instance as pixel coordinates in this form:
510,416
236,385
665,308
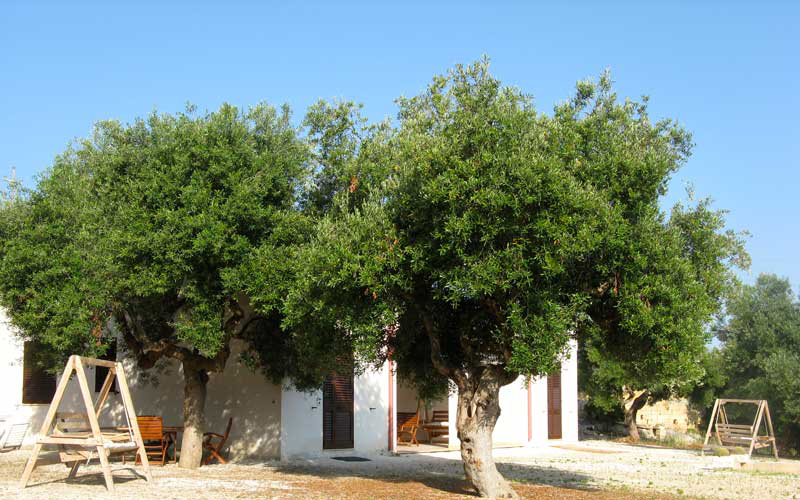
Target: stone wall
673,414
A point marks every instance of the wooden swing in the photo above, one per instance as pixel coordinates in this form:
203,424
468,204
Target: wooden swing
77,435
728,434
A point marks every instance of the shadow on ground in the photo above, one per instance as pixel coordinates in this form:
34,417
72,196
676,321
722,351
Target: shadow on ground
436,472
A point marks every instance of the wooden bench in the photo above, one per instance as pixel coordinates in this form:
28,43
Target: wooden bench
738,435
407,423
438,427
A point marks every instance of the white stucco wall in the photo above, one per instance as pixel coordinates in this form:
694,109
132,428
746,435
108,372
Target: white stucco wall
301,419
512,426
569,395
538,411
371,418
15,412
254,403
301,432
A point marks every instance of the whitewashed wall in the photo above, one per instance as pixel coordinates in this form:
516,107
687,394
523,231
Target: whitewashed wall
539,412
254,403
15,412
301,432
301,419
512,426
371,418
569,395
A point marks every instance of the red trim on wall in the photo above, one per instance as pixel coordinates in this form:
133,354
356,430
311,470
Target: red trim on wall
391,406
530,410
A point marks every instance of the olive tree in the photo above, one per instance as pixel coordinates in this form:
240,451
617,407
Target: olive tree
148,227
498,234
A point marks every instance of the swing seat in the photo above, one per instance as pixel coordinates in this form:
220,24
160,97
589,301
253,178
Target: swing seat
79,436
741,435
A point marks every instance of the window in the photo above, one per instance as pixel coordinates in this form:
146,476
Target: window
38,386
101,372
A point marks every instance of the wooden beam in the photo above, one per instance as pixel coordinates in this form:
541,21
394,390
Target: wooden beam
771,432
97,362
90,411
137,436
710,426
48,420
103,396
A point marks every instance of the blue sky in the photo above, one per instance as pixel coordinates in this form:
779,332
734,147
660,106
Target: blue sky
728,71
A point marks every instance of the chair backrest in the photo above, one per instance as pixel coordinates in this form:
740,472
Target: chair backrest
440,416
227,432
151,428
407,419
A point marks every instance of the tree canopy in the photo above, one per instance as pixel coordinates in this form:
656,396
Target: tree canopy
150,227
498,234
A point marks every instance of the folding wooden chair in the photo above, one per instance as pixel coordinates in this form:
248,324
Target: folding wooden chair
408,423
156,443
213,448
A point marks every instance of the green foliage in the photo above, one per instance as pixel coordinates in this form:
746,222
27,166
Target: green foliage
721,452
761,351
152,224
492,234
706,390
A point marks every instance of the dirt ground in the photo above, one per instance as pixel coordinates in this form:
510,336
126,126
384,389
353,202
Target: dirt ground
591,471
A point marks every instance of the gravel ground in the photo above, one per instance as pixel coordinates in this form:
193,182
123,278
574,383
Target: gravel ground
593,470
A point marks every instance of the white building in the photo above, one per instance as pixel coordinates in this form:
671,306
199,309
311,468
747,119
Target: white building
271,421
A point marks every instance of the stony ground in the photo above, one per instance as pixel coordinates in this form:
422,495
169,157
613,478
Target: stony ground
590,471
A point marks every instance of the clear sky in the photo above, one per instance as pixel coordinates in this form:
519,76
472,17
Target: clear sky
726,70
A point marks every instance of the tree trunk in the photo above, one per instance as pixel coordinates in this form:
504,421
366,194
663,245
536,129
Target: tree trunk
631,410
194,403
478,411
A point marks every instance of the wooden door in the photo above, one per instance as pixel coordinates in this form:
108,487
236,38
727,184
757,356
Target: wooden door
554,406
337,411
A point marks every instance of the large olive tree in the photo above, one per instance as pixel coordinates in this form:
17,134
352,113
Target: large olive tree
150,227
498,234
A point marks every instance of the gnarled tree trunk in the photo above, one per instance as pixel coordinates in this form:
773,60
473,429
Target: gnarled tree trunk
478,411
194,403
631,408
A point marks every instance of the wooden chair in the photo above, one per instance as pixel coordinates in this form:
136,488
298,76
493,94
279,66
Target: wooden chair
407,423
438,427
213,448
156,443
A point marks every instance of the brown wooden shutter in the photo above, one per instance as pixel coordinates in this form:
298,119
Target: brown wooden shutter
337,411
38,386
101,372
554,406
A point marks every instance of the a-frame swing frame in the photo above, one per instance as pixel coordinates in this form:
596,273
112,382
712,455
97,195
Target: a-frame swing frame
738,434
78,447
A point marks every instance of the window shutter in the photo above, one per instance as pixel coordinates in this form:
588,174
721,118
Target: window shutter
554,406
38,386
101,372
337,411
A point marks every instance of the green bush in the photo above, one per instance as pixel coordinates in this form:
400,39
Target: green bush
721,452
739,451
